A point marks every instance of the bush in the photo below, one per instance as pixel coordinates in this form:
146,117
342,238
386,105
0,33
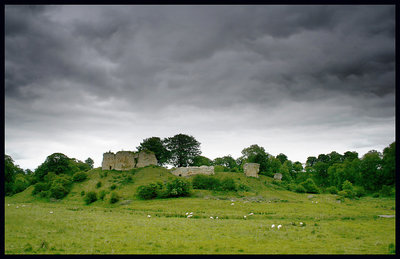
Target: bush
359,191
39,187
90,197
347,194
113,186
79,177
347,185
58,191
205,182
147,192
102,194
228,184
82,193
243,187
114,197
177,188
375,195
310,186
98,184
300,189
386,191
332,190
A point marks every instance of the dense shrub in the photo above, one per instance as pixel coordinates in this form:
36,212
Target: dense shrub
82,193
114,197
39,187
79,176
205,182
359,191
113,186
177,188
243,187
98,184
332,190
58,190
310,186
90,197
300,189
346,194
228,184
149,191
102,194
386,191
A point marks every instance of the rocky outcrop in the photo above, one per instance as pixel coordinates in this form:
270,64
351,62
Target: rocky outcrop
251,169
127,160
193,170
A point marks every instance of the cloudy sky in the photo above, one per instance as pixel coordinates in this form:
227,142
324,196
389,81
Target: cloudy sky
298,80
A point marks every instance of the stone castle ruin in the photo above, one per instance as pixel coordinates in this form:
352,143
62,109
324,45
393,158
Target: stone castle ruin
127,160
251,169
193,170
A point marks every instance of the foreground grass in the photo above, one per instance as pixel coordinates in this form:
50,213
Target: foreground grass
352,227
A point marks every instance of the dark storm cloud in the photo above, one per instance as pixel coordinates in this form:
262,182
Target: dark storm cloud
102,68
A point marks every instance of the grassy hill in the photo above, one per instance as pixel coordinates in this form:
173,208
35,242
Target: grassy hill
162,226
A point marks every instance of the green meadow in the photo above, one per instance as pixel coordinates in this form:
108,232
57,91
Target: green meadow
161,226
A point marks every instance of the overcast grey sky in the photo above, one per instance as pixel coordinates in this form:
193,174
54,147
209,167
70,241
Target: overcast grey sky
298,80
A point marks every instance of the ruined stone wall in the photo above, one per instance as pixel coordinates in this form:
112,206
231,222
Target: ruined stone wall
146,158
193,170
127,160
251,169
278,176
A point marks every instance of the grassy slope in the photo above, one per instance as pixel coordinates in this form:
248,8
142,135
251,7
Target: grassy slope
350,227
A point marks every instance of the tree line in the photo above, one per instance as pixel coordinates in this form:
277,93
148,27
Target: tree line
328,172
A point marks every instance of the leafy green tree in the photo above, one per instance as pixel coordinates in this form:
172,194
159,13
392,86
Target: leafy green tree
370,168
323,158
158,146
274,166
389,164
350,155
321,173
285,171
335,157
226,161
10,173
90,162
183,149
282,158
297,167
57,163
311,160
201,160
256,154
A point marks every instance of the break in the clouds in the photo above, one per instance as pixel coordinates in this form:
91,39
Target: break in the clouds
298,80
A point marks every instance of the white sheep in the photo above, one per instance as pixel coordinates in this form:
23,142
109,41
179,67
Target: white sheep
187,213
211,218
51,212
232,203
251,214
191,213
279,226
273,225
301,223
148,216
216,217
244,217
17,207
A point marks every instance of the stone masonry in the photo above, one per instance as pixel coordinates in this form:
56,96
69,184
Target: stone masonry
127,160
193,170
278,176
251,169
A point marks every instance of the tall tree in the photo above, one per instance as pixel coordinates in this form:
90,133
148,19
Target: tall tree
10,174
282,157
57,163
389,164
201,160
370,167
350,155
156,145
311,160
90,162
256,154
183,149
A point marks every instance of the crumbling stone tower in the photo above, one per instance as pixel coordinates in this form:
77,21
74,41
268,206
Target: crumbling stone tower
251,169
127,160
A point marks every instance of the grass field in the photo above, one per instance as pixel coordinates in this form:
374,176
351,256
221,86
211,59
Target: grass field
70,227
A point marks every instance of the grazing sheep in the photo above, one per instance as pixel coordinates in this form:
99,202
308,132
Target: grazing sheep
273,225
17,207
211,218
51,212
187,213
148,216
251,214
232,203
216,217
279,226
301,223
244,217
